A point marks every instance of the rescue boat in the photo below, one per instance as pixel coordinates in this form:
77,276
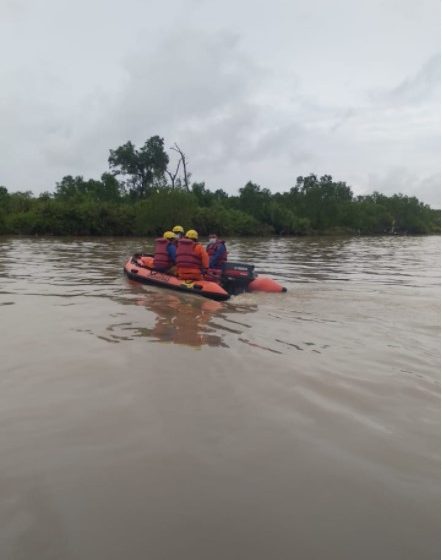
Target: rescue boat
138,269
232,279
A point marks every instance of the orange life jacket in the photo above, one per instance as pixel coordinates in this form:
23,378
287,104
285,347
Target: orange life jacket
185,254
161,259
188,259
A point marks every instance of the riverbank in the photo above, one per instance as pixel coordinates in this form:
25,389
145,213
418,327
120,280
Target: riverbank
53,217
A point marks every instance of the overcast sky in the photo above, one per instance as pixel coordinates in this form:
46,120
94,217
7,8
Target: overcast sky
249,89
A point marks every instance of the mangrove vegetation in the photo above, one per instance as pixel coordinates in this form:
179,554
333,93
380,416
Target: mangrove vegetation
141,195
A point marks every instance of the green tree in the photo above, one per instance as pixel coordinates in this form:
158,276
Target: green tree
76,188
203,195
255,201
144,204
20,201
140,168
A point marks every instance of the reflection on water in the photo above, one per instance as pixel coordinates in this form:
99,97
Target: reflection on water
136,422
179,320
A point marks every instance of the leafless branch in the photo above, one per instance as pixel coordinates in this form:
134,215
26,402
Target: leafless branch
173,176
177,149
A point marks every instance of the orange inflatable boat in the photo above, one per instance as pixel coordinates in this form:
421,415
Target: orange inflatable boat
137,268
233,279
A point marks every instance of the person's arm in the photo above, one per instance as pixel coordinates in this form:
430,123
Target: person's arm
171,250
214,258
202,253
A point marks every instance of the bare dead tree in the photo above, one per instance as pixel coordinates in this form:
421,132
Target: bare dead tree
173,176
187,175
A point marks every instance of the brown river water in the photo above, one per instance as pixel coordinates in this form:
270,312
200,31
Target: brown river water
138,423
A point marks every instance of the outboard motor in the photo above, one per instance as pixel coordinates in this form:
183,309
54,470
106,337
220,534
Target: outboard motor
235,277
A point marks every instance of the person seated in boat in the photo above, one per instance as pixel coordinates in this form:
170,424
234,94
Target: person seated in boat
192,259
216,249
178,231
165,253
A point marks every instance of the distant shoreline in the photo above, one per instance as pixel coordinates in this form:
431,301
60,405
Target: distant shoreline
227,237
314,207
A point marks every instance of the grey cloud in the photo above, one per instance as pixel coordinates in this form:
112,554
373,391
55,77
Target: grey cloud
196,89
191,75
423,85
238,108
11,9
401,180
205,93
418,88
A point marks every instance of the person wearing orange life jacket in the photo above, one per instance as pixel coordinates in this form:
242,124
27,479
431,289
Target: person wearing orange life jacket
191,258
165,253
216,249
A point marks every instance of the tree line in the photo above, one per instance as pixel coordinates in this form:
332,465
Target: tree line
141,195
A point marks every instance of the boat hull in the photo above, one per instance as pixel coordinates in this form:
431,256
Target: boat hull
139,272
263,284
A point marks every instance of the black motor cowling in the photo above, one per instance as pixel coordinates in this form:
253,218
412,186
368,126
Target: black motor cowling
235,277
